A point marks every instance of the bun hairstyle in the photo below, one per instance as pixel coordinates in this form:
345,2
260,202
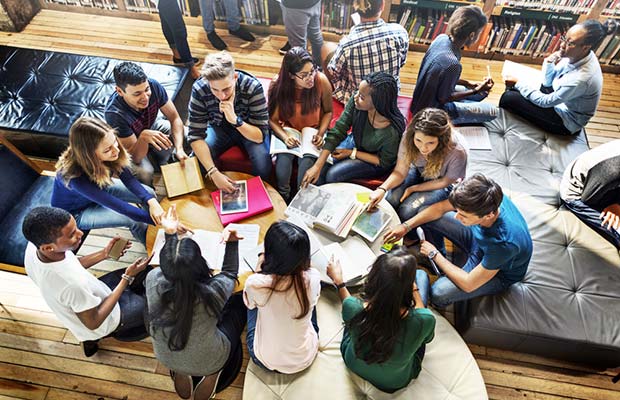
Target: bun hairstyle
465,21
367,8
596,31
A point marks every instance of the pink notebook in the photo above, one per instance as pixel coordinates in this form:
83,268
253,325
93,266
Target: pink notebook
258,202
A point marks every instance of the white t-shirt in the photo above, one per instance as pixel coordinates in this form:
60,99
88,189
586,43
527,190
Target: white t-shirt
68,288
281,342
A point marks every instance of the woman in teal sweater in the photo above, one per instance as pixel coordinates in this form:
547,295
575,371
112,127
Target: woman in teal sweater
386,331
370,150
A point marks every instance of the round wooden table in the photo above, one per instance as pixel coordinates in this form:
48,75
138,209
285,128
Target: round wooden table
196,210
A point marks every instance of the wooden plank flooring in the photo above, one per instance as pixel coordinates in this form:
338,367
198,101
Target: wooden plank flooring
40,359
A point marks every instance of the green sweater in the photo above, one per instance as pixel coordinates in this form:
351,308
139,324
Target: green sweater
404,365
382,142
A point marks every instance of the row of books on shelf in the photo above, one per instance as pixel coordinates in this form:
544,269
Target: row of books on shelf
105,4
336,16
570,6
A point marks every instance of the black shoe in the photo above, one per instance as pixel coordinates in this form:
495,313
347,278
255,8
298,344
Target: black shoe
284,49
90,347
243,33
216,41
178,60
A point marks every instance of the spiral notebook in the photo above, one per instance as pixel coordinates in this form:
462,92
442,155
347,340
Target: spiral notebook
258,202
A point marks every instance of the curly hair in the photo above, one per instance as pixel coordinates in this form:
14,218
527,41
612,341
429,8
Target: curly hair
430,122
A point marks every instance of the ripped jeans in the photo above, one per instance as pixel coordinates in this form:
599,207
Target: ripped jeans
471,110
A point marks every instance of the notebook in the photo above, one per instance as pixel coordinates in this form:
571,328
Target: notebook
258,202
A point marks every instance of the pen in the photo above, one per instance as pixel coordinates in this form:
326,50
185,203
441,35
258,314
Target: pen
488,71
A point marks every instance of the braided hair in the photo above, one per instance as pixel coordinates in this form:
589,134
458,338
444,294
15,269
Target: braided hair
384,95
596,31
465,21
430,122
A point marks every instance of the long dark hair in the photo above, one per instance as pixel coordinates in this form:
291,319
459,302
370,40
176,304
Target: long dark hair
287,256
388,288
186,273
282,90
384,95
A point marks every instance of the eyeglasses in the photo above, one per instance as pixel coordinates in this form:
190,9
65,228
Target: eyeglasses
568,42
305,75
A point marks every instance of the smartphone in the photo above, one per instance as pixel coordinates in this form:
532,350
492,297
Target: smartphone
117,249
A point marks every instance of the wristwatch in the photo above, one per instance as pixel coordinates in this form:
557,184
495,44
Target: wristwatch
239,122
432,254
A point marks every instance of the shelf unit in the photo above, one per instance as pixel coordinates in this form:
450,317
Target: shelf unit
494,9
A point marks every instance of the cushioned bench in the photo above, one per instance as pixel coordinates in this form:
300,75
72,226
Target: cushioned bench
449,371
22,189
43,92
568,305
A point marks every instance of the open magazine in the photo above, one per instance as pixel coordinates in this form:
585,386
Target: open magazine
370,224
305,138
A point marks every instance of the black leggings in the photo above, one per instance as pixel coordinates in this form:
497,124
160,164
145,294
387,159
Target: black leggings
545,118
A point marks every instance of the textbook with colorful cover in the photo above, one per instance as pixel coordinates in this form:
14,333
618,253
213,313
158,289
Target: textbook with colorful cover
181,180
258,201
305,148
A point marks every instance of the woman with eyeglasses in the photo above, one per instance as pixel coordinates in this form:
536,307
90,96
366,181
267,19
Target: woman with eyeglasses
370,150
299,97
430,160
572,83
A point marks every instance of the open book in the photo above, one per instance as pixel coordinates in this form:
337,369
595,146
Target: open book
211,246
305,138
477,137
181,180
531,76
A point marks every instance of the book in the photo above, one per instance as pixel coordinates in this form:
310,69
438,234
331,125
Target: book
476,137
370,224
306,147
235,201
532,76
211,246
308,203
258,202
181,180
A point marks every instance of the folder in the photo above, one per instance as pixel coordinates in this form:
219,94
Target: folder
258,202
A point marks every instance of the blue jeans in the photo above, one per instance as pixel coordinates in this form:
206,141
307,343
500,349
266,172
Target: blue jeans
302,24
444,291
424,285
173,27
221,138
252,315
145,169
284,169
207,12
471,110
97,216
591,217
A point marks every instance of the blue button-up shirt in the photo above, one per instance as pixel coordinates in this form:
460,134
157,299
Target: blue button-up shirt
576,90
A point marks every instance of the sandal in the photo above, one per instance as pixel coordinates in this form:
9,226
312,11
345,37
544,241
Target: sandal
182,384
205,389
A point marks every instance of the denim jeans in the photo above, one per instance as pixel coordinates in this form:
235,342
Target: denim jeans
424,285
252,315
545,118
302,24
231,323
174,29
591,217
444,291
207,11
97,216
132,304
222,138
284,169
145,169
471,110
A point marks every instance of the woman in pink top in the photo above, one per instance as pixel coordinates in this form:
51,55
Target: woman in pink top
281,299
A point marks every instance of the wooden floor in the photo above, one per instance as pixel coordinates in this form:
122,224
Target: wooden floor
40,359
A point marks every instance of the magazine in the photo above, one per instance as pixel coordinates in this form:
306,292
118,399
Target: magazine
308,203
370,224
211,246
305,148
235,201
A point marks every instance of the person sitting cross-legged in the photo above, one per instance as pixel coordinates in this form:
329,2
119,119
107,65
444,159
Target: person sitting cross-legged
90,308
228,108
484,224
132,111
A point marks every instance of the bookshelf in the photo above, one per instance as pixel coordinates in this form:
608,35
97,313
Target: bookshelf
520,30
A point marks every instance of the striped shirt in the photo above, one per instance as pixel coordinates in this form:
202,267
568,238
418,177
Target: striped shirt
369,46
204,107
439,72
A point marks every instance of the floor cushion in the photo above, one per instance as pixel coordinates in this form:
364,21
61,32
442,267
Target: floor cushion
449,371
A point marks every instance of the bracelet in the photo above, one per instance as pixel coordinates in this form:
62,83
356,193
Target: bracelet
341,285
406,226
210,170
353,155
382,188
416,290
128,278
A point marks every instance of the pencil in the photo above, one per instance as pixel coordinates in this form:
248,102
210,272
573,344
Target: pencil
488,71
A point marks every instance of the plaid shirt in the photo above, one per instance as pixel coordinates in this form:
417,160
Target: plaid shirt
369,46
204,107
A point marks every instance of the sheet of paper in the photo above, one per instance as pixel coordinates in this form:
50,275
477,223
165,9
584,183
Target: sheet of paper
477,137
527,74
250,233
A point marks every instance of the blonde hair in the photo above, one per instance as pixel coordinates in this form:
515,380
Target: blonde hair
367,8
218,66
430,122
79,158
